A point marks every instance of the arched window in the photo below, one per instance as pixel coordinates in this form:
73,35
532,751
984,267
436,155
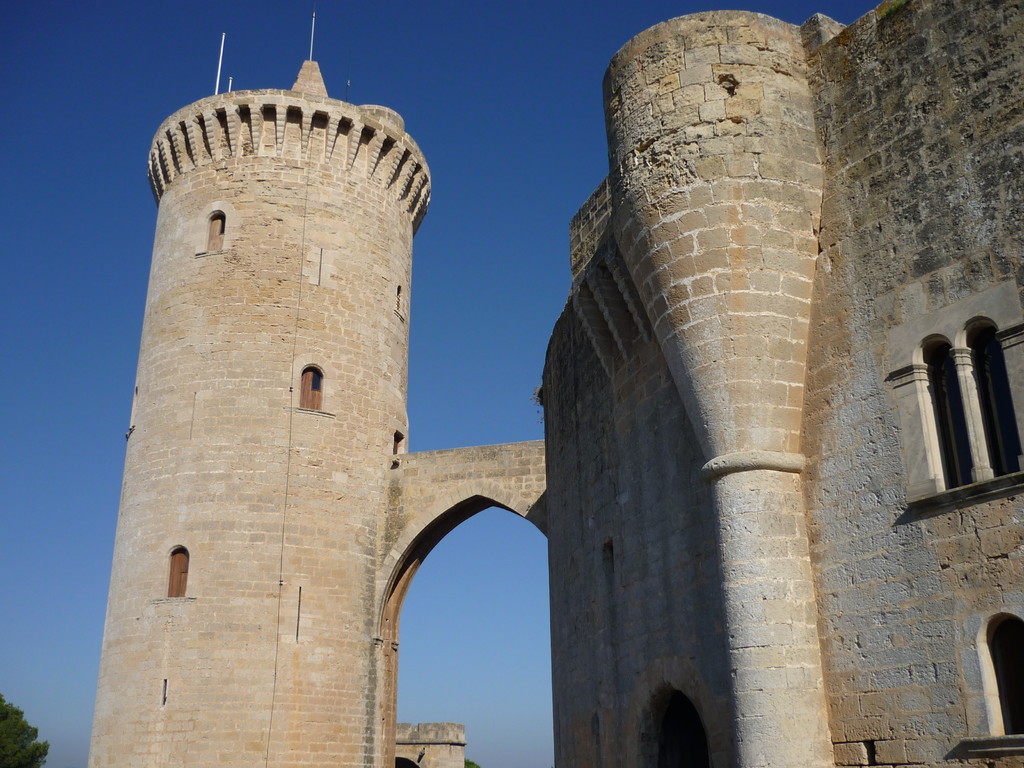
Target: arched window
681,740
1006,644
950,421
179,572
215,238
404,762
311,391
997,415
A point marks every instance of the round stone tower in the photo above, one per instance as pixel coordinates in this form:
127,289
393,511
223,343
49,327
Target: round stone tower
269,401
716,184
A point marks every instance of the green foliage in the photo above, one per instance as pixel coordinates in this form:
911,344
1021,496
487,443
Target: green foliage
471,764
18,745
893,7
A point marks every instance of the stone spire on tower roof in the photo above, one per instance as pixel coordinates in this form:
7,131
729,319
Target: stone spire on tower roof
310,80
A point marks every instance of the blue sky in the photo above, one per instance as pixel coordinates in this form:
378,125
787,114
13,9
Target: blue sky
504,100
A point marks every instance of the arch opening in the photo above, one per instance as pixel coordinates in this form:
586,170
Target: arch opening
671,732
950,416
465,633
682,742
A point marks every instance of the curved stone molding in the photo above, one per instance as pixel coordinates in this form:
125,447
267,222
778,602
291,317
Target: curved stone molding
320,133
747,461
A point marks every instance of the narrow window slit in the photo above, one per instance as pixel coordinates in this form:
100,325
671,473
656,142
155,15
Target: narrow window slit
950,420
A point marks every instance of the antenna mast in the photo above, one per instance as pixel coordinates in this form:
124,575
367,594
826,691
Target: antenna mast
312,31
220,60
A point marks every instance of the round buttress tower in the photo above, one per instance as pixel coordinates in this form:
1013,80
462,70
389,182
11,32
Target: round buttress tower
269,400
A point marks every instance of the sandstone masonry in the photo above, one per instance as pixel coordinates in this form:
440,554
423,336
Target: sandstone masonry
767,371
782,469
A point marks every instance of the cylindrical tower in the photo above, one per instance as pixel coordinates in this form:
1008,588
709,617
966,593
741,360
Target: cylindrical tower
716,185
269,400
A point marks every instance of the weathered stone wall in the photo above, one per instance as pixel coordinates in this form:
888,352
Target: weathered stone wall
918,109
635,586
713,202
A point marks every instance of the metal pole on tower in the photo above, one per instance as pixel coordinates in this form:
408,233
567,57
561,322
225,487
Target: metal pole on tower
220,60
312,31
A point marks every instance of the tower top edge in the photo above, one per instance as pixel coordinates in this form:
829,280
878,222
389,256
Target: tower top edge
698,30
370,115
300,129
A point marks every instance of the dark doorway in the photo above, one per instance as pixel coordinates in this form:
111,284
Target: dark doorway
1007,645
682,742
404,762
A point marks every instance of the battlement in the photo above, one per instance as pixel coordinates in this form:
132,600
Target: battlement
304,129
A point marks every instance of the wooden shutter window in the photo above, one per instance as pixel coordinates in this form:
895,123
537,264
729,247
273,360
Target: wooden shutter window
179,573
215,239
311,391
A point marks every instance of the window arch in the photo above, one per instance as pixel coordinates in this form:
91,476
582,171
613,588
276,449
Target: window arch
179,572
950,418
215,233
1006,648
995,400
958,393
311,389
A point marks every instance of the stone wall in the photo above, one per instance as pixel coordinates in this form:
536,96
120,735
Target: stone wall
635,585
919,112
728,131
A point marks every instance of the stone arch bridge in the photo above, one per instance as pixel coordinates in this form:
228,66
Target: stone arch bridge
429,494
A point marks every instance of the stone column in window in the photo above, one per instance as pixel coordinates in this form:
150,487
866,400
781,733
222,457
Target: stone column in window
920,437
982,466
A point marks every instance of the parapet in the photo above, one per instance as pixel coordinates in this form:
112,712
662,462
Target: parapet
589,228
306,129
430,733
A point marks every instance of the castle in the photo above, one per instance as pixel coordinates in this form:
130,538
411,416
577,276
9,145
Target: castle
783,409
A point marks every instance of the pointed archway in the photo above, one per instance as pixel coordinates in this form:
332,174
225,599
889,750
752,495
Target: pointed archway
405,567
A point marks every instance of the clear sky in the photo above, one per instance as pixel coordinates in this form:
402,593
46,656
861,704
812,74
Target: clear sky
504,100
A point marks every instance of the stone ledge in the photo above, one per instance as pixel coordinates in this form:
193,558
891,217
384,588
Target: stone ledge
974,493
989,746
313,412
